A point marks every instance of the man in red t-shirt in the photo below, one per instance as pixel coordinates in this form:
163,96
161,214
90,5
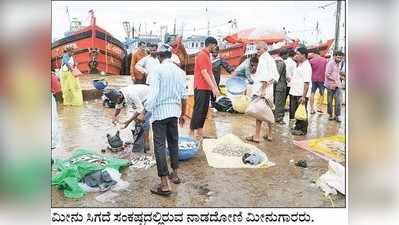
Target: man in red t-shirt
204,86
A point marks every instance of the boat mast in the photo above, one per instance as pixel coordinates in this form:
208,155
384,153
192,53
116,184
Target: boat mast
93,29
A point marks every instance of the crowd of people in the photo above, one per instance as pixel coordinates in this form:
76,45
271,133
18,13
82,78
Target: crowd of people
157,98
293,74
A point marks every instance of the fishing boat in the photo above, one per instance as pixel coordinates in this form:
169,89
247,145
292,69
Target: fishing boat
95,50
239,45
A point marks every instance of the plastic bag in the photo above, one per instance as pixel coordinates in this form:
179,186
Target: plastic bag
223,104
300,113
83,162
241,103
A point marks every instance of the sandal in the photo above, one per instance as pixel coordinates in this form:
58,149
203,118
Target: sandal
174,178
269,139
158,191
251,139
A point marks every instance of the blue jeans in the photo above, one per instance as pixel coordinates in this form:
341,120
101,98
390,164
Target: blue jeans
146,124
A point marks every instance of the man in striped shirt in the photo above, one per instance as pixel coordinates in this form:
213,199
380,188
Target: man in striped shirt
167,102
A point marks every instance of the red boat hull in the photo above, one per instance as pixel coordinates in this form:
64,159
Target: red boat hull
235,54
110,50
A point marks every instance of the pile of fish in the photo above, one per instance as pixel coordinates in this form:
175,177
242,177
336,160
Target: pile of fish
183,145
140,161
231,145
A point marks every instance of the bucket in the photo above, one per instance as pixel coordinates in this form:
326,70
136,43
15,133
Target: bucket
236,85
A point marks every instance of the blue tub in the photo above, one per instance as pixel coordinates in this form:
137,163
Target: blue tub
187,153
236,85
100,84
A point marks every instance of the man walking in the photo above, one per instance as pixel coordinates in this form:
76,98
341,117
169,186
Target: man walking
137,76
167,102
204,87
333,85
318,65
300,88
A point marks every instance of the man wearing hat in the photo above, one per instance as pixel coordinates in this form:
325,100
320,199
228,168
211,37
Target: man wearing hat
167,102
301,82
204,87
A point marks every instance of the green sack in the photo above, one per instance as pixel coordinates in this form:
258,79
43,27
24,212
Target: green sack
82,162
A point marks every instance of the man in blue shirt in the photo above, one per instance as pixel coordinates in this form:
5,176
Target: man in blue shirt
167,102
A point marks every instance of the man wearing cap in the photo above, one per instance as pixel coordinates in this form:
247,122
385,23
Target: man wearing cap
148,63
301,82
133,96
204,87
167,102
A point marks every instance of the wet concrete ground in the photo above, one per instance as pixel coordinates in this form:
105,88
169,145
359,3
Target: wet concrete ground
282,185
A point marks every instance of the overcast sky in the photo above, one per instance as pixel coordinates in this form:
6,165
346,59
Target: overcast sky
299,17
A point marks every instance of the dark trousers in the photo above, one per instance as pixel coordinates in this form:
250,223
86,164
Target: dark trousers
334,95
299,124
217,79
279,102
166,130
200,111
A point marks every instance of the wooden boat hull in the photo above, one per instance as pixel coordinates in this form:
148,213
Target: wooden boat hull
109,56
235,54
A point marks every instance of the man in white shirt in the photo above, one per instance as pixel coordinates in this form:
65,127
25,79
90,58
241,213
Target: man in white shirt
290,67
266,74
148,63
167,102
300,88
134,97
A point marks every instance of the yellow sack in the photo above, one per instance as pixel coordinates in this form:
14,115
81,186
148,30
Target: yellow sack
240,103
300,113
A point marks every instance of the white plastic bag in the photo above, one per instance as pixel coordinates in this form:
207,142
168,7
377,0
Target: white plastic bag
333,180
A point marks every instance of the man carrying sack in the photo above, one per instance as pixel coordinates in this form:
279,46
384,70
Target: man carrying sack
262,105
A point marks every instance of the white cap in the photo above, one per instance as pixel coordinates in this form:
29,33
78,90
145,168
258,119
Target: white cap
162,47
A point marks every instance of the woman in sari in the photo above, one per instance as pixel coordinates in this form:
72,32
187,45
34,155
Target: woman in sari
70,85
